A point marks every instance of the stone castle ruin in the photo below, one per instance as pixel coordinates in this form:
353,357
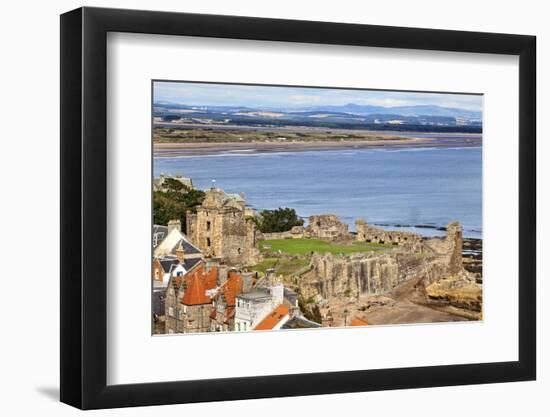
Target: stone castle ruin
222,228
326,226
376,273
373,234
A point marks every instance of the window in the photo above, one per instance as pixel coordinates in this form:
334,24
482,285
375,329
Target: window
179,273
208,225
170,311
208,241
238,327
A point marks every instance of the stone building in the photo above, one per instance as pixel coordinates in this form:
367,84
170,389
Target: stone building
326,226
159,233
160,183
372,234
175,241
188,303
254,306
222,229
222,316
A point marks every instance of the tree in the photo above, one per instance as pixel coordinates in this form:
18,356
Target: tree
279,220
172,205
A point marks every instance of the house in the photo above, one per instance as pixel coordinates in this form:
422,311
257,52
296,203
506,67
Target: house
300,322
163,181
254,306
274,320
159,233
223,302
174,240
188,303
167,266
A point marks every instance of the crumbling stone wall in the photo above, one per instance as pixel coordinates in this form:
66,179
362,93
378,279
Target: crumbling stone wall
368,233
449,249
379,272
297,232
326,226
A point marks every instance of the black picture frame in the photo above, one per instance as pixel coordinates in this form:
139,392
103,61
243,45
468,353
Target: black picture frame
84,207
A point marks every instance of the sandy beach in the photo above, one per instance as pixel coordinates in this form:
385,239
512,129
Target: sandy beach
197,149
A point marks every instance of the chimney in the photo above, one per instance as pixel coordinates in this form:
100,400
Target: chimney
223,270
247,281
180,253
174,224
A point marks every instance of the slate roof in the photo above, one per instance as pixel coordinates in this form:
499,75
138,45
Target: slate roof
300,323
188,247
160,231
190,263
168,262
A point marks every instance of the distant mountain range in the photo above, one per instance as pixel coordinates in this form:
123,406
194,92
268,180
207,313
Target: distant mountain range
418,110
349,116
421,110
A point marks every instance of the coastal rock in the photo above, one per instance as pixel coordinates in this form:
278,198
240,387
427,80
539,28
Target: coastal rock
458,291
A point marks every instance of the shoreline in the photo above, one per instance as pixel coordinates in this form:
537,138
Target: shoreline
179,149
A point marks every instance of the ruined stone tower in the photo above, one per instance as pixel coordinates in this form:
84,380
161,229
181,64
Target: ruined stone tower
221,229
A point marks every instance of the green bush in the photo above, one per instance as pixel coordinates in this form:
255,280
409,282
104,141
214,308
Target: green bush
279,220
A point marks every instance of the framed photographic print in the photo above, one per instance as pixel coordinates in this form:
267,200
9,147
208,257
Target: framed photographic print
257,208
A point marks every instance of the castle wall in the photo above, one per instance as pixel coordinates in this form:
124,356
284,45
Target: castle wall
372,234
326,226
377,273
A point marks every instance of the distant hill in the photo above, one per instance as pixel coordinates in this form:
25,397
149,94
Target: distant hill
349,116
422,110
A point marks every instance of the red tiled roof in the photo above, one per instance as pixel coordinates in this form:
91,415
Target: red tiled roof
198,282
232,287
358,321
273,318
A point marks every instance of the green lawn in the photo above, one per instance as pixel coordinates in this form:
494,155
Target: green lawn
282,266
307,246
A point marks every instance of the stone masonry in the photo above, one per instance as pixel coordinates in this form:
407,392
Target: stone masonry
221,228
356,275
326,226
372,234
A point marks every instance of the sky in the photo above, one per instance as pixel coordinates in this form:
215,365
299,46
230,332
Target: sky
201,94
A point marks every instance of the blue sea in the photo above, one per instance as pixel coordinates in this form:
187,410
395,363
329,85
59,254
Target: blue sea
419,189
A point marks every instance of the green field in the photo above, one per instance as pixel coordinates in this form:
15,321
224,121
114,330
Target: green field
286,267
307,246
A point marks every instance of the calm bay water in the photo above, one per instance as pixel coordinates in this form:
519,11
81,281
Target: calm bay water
407,186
